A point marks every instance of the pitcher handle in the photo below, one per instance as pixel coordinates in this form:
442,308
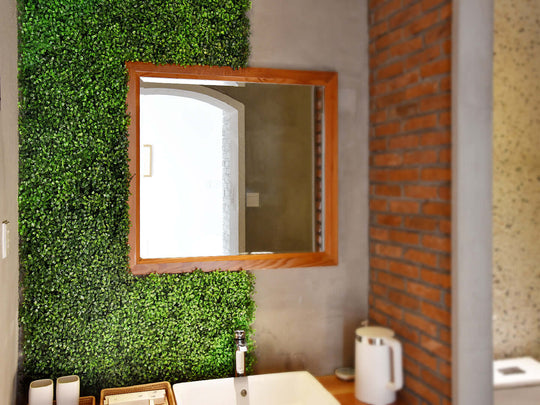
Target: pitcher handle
397,363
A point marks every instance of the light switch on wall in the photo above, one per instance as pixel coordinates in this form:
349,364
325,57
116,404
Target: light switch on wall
252,200
5,239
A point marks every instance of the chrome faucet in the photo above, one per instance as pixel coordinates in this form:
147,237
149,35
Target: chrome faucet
241,349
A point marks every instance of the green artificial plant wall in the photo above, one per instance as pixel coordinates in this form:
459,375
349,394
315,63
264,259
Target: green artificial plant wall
81,311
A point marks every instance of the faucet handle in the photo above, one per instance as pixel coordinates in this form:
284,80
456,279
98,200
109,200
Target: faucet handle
239,334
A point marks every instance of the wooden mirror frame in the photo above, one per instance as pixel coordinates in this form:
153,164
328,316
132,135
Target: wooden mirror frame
327,80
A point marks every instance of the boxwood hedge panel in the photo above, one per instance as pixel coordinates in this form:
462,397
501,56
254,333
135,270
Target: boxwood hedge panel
81,310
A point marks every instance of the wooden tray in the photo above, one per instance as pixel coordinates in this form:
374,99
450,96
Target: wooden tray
138,388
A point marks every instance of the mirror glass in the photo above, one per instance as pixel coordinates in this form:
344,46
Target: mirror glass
227,168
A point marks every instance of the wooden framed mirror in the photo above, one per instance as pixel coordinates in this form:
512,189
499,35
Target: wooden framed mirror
231,169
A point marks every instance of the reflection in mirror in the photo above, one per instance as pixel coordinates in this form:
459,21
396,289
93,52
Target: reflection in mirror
232,170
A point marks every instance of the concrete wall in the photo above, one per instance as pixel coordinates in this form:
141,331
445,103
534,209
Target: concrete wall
306,317
9,266
279,165
516,179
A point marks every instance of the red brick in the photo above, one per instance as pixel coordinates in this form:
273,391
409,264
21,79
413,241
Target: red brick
392,191
420,355
390,281
447,46
437,208
377,317
378,289
388,309
424,324
429,4
403,142
421,223
403,300
435,103
373,4
445,119
387,129
405,15
377,117
435,138
378,233
446,11
437,33
386,10
404,207
378,263
378,29
392,70
379,59
439,383
426,20
437,314
446,336
448,299
438,279
406,397
404,110
445,226
403,80
436,174
421,257
438,348
403,331
445,84
387,39
376,145
421,389
445,369
423,122
421,58
435,68
423,291
376,89
420,90
388,250
389,220
389,99
410,367
420,157
403,269
394,174
423,192
388,159
445,261
436,242
406,47
408,238
445,156
378,205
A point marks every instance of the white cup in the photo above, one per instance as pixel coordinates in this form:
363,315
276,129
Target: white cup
41,392
67,390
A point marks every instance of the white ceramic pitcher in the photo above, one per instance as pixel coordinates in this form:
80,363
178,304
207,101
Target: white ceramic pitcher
378,365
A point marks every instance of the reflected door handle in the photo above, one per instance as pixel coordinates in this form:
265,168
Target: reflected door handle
147,161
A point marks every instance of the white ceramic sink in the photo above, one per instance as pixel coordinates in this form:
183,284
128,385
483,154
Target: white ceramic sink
292,388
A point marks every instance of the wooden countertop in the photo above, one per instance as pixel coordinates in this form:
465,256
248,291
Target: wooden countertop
343,391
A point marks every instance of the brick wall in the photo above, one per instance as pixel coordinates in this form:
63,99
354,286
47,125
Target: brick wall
410,188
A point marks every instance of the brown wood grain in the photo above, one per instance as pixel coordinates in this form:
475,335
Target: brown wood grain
343,391
328,257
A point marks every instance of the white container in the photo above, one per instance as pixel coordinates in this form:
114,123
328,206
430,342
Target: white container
378,365
67,390
41,392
